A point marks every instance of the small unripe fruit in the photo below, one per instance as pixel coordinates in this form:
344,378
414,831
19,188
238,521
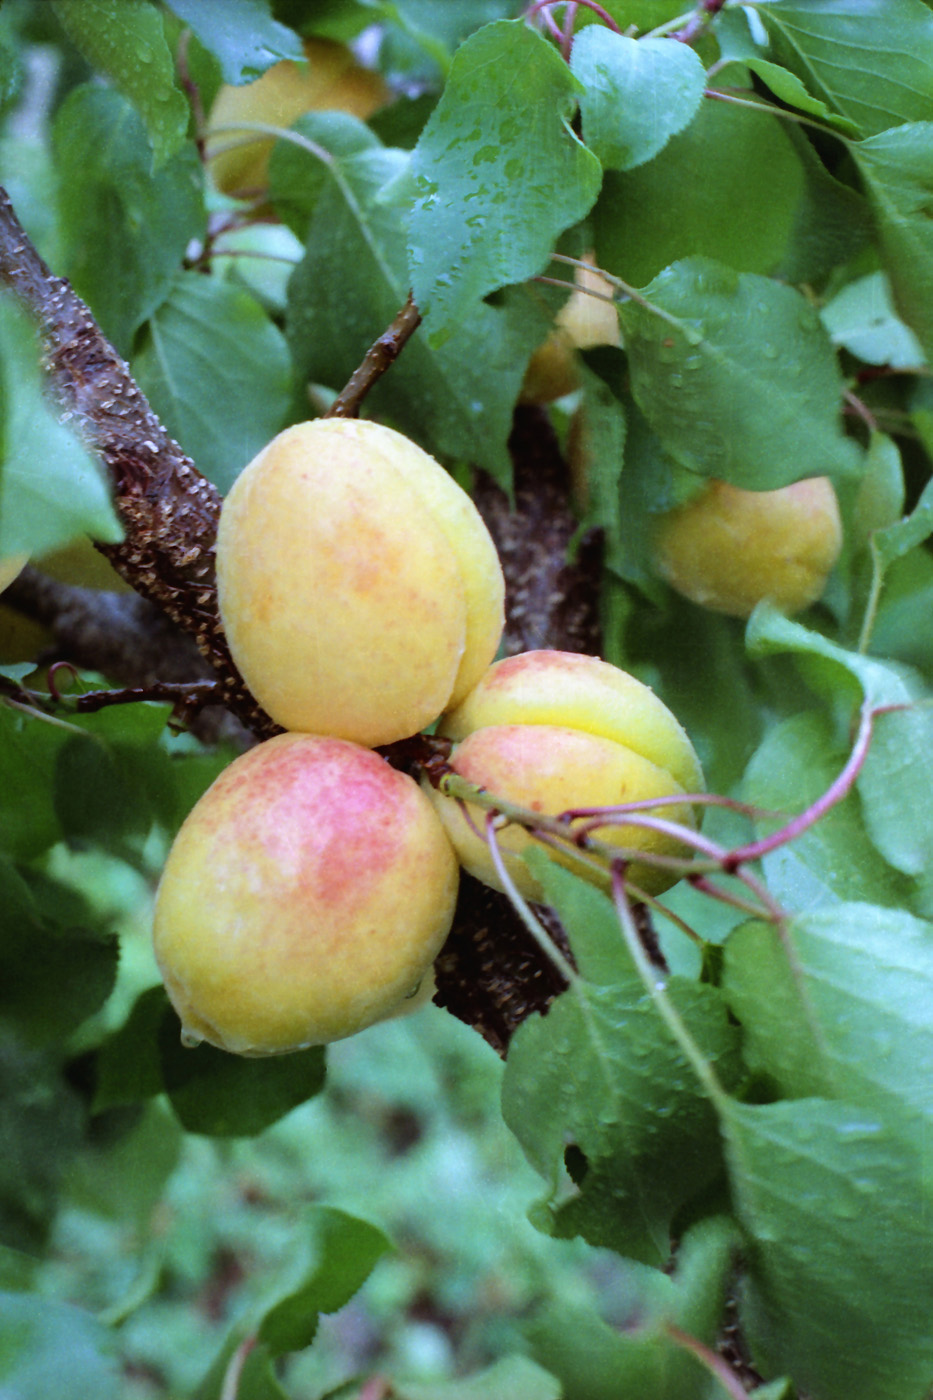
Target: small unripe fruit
551,731
304,898
359,589
331,80
729,549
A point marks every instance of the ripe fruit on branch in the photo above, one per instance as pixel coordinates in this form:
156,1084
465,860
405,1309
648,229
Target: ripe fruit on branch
359,588
728,549
551,731
304,898
330,80
584,321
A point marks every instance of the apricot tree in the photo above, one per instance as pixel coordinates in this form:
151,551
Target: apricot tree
710,1019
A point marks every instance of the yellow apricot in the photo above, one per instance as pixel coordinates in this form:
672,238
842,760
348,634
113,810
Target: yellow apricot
330,80
553,731
359,588
584,321
728,549
10,567
304,898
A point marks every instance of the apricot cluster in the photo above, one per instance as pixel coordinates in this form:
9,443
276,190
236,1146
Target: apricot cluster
311,887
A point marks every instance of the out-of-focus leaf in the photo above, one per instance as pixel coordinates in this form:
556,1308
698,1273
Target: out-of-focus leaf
125,39
224,1095
514,1376
736,375
599,1085
124,1178
128,1067
124,230
51,490
637,94
498,173
869,60
836,1204
52,1348
897,169
217,372
241,33
862,319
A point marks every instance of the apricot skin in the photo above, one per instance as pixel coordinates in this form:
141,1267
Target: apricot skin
330,80
304,898
552,731
729,549
10,567
359,588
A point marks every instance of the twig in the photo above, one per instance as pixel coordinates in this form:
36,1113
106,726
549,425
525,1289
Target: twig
381,355
185,697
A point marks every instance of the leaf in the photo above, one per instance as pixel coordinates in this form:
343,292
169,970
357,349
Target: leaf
788,87
125,39
836,1206
599,1084
839,1006
53,975
514,1376
121,1175
456,400
834,860
862,318
869,60
223,1095
124,230
201,346
637,94
498,173
897,169
638,1357
346,1251
743,212
51,490
127,1066
896,780
28,752
52,1348
736,375
241,33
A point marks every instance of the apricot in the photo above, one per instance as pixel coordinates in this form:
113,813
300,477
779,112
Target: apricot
584,321
728,549
10,567
330,80
551,731
304,898
359,588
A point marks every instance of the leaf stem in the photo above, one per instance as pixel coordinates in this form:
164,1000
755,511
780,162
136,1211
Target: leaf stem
720,96
537,930
717,1365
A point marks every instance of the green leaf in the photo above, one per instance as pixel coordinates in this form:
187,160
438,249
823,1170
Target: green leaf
743,212
514,1376
125,39
897,170
869,60
599,1085
29,748
736,375
457,400
51,1348
346,1251
223,1095
788,87
128,1067
121,1175
124,229
896,780
838,1006
52,976
201,346
862,318
241,33
834,860
498,173
51,490
837,1209
637,94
